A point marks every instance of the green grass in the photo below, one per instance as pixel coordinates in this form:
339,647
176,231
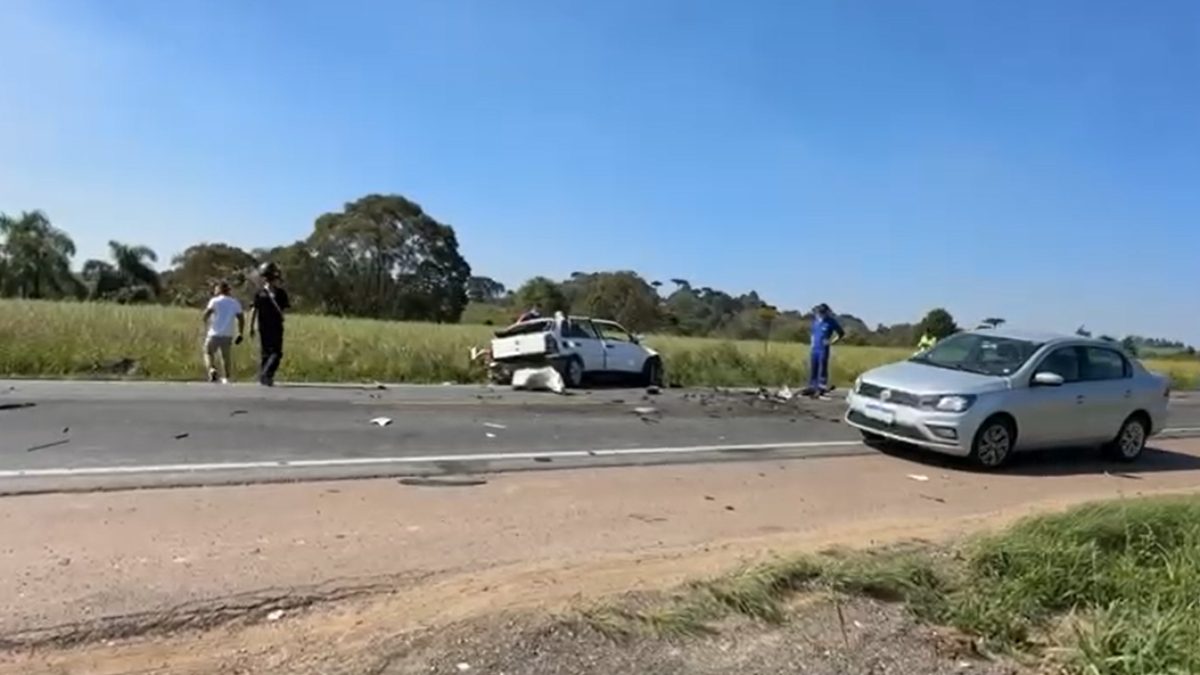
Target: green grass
62,339
1104,589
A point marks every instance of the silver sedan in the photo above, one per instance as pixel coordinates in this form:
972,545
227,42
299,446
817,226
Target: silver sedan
989,393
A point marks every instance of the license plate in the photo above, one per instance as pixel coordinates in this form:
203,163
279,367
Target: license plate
879,414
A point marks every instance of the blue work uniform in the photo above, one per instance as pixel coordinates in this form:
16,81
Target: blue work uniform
823,329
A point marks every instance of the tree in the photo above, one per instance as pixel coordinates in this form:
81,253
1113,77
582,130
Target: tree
1130,345
197,269
36,258
543,293
1083,332
994,322
484,289
129,278
387,258
938,323
624,297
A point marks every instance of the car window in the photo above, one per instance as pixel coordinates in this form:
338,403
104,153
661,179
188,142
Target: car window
611,332
574,328
1105,364
979,353
1063,362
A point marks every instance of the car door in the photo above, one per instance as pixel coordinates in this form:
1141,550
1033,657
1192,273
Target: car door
1048,415
624,354
1110,396
583,340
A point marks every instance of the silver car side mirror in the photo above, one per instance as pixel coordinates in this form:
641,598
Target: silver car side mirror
1045,379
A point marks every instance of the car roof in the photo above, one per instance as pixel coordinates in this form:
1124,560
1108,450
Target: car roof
1040,337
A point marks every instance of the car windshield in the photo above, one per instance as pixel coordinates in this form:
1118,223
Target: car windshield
979,353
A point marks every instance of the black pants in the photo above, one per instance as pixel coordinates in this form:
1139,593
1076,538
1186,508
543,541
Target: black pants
271,343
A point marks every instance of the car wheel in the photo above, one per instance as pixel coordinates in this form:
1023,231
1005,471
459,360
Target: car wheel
652,373
993,443
573,372
1130,440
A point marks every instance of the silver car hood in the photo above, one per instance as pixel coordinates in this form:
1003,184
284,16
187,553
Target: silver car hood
922,379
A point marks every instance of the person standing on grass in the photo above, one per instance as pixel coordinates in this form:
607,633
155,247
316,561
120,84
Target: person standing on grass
220,315
826,331
266,314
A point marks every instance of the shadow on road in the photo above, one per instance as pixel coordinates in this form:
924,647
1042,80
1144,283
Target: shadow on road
1060,462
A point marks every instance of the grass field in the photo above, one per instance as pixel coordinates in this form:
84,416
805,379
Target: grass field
58,339
1102,589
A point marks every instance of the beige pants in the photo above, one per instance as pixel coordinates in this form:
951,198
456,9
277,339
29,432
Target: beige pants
218,343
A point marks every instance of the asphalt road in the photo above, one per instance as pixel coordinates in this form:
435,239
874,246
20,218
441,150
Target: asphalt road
87,435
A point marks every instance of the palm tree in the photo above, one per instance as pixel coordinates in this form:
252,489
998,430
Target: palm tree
128,278
36,258
133,264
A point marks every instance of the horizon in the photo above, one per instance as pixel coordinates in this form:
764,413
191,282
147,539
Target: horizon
824,153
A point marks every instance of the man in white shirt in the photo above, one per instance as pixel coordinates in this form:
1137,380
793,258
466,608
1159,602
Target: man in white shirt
220,315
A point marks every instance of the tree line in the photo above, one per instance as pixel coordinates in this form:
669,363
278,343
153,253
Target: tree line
384,257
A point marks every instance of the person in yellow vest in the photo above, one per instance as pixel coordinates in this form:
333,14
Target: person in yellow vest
926,343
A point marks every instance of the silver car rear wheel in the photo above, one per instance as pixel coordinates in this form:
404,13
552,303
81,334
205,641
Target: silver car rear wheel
993,443
1130,440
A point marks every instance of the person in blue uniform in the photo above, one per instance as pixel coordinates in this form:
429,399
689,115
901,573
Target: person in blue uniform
825,332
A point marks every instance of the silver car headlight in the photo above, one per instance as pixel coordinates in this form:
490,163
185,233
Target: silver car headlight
952,403
857,384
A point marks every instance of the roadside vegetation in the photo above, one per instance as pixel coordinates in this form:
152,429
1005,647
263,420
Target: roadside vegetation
83,339
1103,589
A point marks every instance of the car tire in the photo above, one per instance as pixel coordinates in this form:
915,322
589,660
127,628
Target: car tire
652,373
993,444
572,372
1130,440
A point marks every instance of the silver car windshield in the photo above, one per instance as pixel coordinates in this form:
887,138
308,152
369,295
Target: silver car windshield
977,353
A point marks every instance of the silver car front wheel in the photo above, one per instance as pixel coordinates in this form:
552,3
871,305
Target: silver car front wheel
993,443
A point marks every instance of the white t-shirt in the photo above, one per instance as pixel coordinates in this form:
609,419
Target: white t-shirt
224,316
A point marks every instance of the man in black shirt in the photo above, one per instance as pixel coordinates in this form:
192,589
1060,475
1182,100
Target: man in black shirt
270,303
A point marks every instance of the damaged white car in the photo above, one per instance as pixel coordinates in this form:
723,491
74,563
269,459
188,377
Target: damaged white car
578,347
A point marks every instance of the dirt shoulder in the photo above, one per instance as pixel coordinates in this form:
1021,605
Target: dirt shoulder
398,558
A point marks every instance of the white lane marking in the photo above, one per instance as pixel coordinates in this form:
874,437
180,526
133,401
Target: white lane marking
369,461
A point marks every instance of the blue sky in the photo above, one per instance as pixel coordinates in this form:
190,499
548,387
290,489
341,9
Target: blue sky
1034,160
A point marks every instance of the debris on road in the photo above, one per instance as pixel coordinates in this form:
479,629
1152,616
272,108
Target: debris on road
275,615
543,460
653,390
494,425
379,385
52,444
463,667
180,437
381,421
920,478
490,435
538,379
645,411
16,406
442,481
235,413
932,498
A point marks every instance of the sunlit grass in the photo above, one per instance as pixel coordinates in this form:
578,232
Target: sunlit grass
61,339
